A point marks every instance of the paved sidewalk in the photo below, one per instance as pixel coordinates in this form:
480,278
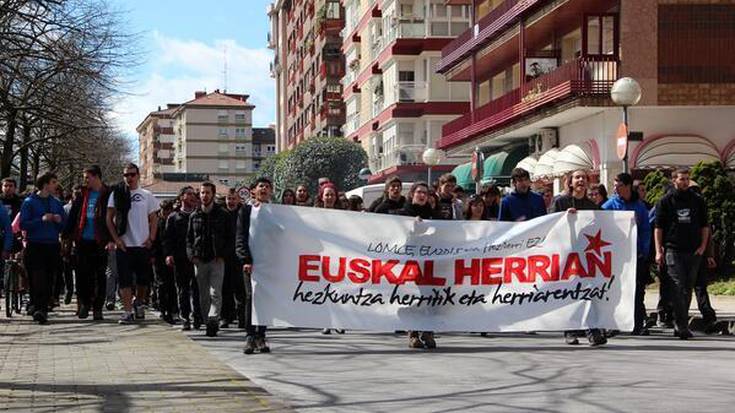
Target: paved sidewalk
80,365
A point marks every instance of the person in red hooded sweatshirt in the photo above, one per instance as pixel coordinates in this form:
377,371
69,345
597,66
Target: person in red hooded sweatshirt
87,229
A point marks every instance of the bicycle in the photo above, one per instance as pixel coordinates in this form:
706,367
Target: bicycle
14,287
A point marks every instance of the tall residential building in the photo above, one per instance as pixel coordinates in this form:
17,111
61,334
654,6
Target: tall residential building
208,137
542,72
264,145
308,65
396,103
156,141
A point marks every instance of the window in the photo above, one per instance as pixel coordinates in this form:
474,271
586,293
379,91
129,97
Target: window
223,116
241,148
224,181
406,76
240,117
271,149
240,132
223,164
256,166
240,165
692,43
223,148
223,132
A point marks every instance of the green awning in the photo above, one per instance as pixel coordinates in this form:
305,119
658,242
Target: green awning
501,164
463,173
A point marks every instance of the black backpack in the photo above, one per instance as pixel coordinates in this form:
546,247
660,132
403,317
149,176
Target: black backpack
121,199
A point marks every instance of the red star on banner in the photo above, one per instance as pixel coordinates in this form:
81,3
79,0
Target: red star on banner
596,243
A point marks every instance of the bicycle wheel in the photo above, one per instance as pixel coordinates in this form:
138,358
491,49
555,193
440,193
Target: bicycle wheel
9,293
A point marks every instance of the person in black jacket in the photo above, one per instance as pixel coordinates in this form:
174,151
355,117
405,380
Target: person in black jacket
207,246
174,247
681,235
164,275
262,192
233,287
576,200
391,200
418,206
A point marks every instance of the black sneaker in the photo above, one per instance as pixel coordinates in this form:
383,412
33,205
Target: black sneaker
683,334
126,318
40,317
97,315
326,331
110,305
643,331
197,323
186,326
261,345
67,298
249,345
596,338
224,324
83,312
212,328
340,331
428,339
570,338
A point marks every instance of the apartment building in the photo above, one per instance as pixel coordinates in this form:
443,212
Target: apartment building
396,104
308,65
542,71
208,137
264,145
156,141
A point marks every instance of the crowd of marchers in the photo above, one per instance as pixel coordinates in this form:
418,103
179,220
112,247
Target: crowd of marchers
117,247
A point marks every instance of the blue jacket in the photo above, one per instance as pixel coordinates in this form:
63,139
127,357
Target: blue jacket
7,231
521,207
31,214
616,203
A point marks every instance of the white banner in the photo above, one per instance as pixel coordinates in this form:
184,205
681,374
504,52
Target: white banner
340,269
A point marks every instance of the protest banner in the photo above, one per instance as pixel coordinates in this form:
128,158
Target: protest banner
340,269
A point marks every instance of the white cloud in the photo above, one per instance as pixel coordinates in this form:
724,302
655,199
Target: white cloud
181,67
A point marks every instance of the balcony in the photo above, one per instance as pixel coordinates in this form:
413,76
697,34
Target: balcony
488,26
584,77
378,106
401,156
412,91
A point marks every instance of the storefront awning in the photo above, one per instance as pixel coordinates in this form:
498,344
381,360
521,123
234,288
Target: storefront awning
574,157
729,155
501,164
672,151
545,166
528,163
463,173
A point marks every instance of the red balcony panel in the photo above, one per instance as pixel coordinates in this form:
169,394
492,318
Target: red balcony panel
591,76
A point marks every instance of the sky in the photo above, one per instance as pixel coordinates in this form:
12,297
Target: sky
185,43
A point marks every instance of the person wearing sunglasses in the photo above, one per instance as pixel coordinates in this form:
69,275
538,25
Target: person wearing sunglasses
132,221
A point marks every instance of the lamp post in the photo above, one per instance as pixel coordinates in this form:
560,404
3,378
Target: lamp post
430,157
364,174
625,92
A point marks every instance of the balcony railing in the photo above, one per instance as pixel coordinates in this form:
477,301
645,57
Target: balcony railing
589,76
400,156
411,91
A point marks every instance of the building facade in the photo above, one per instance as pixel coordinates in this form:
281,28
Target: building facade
308,65
541,73
156,141
209,137
264,145
395,103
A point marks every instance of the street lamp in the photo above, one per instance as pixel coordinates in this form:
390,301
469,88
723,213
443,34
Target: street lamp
625,92
430,157
364,174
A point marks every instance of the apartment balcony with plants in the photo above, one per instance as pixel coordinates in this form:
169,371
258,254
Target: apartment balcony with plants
524,56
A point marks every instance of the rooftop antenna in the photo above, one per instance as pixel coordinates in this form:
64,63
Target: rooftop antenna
224,71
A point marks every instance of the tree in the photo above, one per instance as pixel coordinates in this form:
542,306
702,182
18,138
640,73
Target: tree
335,158
61,62
656,186
718,192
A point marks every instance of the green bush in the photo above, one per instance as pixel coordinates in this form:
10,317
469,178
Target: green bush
656,183
719,194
